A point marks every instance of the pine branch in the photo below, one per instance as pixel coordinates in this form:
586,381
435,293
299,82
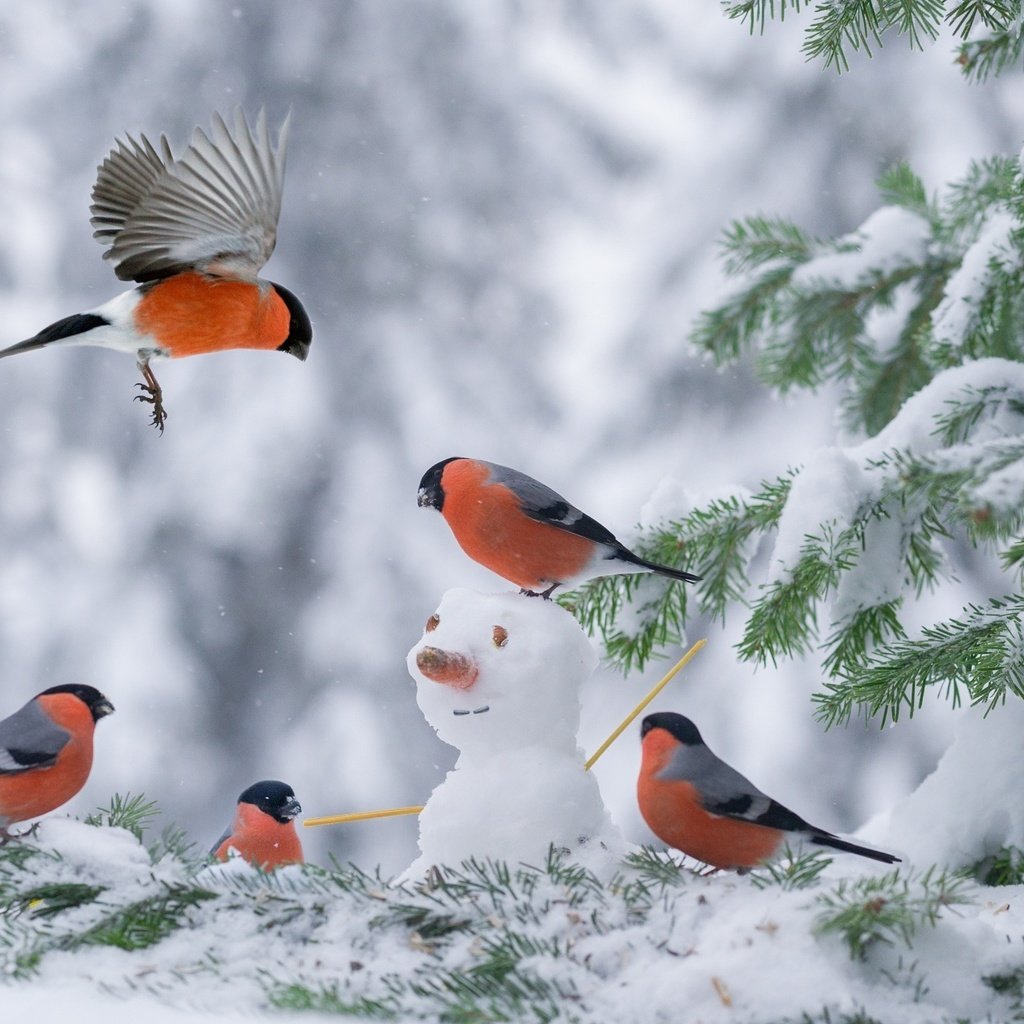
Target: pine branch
755,242
329,999
859,25
981,653
142,924
784,621
792,871
989,183
719,542
995,53
900,186
853,23
130,812
887,908
52,898
757,12
1004,867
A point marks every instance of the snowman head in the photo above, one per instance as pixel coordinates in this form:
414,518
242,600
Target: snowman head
497,672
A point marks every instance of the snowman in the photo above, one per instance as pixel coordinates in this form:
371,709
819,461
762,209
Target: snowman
498,676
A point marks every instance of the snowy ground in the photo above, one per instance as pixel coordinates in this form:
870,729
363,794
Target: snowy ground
655,944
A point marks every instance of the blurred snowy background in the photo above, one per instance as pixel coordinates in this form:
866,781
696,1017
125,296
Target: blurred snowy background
502,219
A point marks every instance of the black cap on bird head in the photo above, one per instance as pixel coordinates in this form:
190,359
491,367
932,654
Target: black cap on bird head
431,493
300,331
274,798
88,695
676,725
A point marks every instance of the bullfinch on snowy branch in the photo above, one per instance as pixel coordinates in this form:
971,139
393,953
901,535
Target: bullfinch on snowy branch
263,829
194,233
46,751
694,801
524,531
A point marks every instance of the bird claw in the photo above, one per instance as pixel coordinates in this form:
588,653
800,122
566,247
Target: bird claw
8,837
152,395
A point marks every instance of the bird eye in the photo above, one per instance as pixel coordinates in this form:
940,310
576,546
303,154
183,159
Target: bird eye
500,636
432,623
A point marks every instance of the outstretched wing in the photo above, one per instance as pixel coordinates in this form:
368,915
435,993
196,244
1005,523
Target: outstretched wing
216,207
29,739
541,503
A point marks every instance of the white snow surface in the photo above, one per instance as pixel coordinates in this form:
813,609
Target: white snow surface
891,238
958,311
519,784
970,805
838,482
723,947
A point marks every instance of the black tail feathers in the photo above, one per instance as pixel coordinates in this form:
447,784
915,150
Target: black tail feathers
825,839
661,570
78,323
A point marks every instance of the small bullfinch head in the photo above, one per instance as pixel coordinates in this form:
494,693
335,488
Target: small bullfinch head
677,726
88,695
431,492
300,334
274,798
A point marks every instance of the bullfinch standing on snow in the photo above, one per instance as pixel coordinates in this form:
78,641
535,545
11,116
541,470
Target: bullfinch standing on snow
194,233
524,531
263,830
694,801
46,751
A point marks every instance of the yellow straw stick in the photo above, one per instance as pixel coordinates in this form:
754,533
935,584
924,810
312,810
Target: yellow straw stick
339,819
665,680
394,812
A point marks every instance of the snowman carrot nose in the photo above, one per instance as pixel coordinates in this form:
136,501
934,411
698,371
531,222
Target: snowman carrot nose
448,667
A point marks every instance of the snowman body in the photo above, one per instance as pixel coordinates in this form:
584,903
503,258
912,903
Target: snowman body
498,676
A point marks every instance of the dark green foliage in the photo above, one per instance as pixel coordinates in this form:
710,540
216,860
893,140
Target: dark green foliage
657,867
804,308
131,812
827,1016
1004,867
861,25
791,871
1011,985
887,908
53,898
144,923
979,657
328,999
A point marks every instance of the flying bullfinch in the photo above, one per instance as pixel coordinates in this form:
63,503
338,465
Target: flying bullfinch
524,531
263,830
46,751
694,801
194,233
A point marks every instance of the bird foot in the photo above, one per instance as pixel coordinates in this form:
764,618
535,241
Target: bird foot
544,594
7,837
153,395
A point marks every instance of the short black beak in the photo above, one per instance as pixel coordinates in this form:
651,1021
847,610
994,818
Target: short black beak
291,809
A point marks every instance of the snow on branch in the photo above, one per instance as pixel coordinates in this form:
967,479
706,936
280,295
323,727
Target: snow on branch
853,533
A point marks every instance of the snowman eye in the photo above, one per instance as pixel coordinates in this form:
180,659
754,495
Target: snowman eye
500,635
432,623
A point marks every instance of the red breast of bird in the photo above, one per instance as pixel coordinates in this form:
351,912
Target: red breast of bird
35,791
487,520
261,840
672,809
192,313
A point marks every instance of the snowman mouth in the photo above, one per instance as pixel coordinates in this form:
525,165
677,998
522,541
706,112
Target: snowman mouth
475,711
